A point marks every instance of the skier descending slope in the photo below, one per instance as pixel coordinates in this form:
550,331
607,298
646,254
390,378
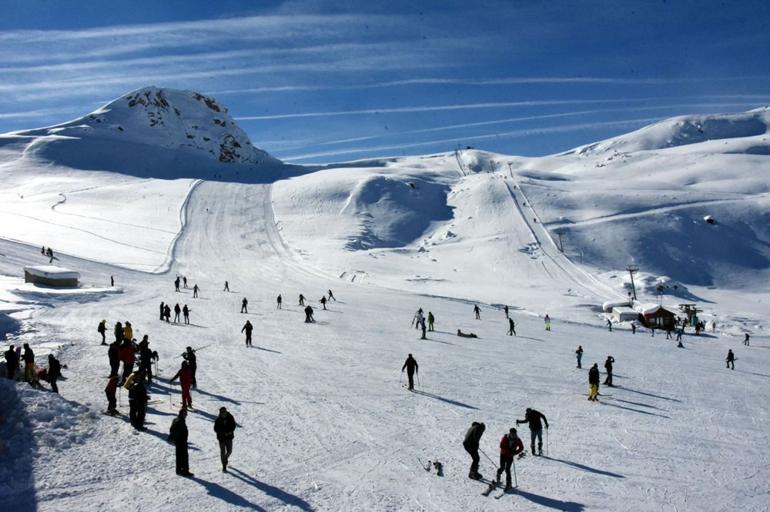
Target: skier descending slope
471,445
411,367
331,296
301,300
247,328
534,418
510,446
323,301
177,434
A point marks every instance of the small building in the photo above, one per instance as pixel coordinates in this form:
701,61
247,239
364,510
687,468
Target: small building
50,275
610,305
655,316
624,314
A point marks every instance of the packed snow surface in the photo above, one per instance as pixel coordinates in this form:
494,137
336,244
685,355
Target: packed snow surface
325,422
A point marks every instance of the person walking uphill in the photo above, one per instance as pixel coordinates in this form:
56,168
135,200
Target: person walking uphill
185,377
608,366
534,418
411,367
510,446
178,434
224,426
471,445
247,328
593,383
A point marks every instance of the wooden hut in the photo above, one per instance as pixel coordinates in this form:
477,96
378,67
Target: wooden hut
655,316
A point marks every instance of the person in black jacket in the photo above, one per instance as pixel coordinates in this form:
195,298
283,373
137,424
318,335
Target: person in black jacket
247,328
102,329
113,353
224,426
534,418
411,367
118,332
54,372
309,315
471,445
145,358
192,360
608,367
593,383
177,434
29,365
11,363
137,402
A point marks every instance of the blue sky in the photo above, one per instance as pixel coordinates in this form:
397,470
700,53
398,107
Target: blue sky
315,81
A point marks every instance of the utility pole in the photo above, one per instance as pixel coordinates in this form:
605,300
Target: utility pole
632,269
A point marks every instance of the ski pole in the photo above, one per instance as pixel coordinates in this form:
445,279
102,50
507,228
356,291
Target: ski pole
487,456
546,443
515,478
401,378
418,380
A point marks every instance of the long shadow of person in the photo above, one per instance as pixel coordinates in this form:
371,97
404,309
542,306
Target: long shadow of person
569,506
227,495
270,490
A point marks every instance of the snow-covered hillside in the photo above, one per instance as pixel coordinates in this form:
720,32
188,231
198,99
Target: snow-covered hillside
325,422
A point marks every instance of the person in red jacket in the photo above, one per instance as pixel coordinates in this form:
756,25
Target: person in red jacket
185,376
110,390
510,446
127,354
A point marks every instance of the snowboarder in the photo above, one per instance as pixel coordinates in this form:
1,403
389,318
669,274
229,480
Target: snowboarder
506,311
431,319
184,281
137,402
534,418
167,313
227,287
746,339
247,328
309,315
301,300
511,327
110,390
547,320
102,329
331,296
411,367
29,365
593,383
608,366
471,445
510,446
177,311
176,284
609,325
113,354
177,434
730,359
323,301
185,380
466,334
244,303
118,332
11,363
192,359
186,314
162,311
422,326
278,301
196,289
579,356
224,426
54,372
477,311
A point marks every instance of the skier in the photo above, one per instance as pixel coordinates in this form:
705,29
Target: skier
278,301
730,359
176,284
608,366
110,390
127,355
177,434
431,319
323,301
128,331
466,334
137,402
422,326
511,327
196,289
112,281
244,303
247,328
145,358
224,426
477,311
29,365
593,383
309,315
162,311
471,445
185,380
301,300
411,367
506,311
193,361
416,319
177,311
331,296
186,314
102,329
227,287
118,332
11,363
167,313
184,280
579,356
746,339
510,446
534,418
54,372
679,333
547,320
609,325
113,354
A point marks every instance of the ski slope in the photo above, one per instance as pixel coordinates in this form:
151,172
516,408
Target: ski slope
325,422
